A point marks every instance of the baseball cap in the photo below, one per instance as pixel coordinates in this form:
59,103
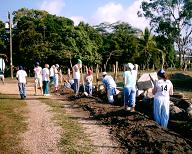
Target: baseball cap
161,73
130,65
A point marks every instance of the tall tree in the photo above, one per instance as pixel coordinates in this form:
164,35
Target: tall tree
172,19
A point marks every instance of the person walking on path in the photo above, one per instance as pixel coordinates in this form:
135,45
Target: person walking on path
89,82
163,88
38,78
129,77
76,76
110,86
45,75
21,77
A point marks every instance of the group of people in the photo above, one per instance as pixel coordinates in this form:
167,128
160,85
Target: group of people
162,90
42,78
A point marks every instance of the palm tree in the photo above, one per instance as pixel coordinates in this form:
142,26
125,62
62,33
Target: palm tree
148,51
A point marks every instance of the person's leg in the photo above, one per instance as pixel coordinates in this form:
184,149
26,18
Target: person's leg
110,95
40,82
157,110
20,85
24,90
90,89
44,87
165,113
132,98
36,84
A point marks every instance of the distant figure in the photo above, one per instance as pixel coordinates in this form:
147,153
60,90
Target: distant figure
21,77
76,76
89,82
38,78
2,76
52,75
129,77
56,80
163,88
110,86
45,75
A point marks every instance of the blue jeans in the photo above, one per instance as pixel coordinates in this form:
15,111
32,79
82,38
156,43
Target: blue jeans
129,96
45,87
22,89
76,86
88,88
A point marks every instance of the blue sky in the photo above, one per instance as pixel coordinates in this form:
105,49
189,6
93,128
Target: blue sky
89,11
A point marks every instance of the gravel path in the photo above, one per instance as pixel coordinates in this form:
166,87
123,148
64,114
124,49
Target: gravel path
43,136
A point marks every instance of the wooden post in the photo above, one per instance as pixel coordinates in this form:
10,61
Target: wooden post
69,73
136,68
116,69
97,77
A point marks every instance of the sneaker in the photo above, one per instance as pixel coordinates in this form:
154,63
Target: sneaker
133,109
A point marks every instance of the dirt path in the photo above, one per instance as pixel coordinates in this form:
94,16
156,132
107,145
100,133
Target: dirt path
42,135
98,134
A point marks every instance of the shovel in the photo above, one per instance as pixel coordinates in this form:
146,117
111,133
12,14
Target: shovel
85,93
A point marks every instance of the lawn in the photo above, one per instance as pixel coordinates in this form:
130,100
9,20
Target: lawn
12,123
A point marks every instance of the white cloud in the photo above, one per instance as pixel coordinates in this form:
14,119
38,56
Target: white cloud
77,19
113,12
53,6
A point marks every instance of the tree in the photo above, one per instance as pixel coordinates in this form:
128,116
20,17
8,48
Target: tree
149,53
171,19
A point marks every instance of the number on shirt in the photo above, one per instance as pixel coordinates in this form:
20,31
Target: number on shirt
164,88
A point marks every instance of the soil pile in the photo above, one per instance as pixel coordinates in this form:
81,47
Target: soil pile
135,131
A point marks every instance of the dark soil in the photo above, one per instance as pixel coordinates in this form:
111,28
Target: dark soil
136,131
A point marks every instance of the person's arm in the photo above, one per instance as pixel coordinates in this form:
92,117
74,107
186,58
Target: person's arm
171,90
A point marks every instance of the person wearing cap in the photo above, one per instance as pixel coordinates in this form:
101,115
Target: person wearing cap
38,78
45,76
110,86
163,88
21,77
129,77
76,76
89,82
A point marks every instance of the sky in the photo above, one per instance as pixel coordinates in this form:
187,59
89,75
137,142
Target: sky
92,12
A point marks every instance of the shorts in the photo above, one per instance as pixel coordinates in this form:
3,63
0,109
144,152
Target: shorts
38,82
2,77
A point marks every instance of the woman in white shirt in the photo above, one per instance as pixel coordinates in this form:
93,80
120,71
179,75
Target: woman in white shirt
163,88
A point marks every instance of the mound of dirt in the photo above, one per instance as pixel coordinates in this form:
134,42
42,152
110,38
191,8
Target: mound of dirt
180,76
136,132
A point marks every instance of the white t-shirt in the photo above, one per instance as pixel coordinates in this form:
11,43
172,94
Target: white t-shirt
76,72
130,78
45,74
52,72
21,76
163,87
38,72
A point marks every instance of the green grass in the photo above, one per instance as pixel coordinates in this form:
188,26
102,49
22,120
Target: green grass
12,123
73,140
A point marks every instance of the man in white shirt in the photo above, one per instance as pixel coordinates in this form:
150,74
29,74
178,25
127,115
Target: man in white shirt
38,78
76,76
21,77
